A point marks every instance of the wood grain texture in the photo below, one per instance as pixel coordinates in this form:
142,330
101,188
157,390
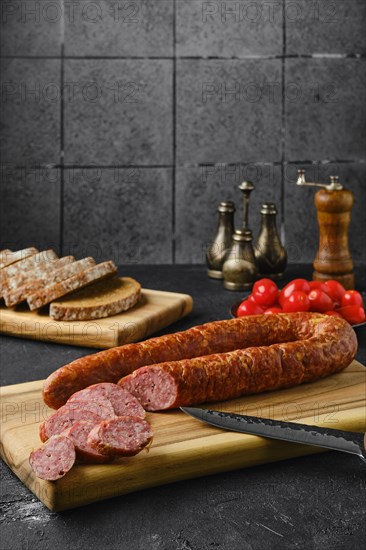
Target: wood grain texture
156,310
182,448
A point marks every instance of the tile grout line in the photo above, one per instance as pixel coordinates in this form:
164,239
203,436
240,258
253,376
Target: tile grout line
62,136
195,57
174,116
283,124
184,164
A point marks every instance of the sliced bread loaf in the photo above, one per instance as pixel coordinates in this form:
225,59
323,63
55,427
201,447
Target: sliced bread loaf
54,291
39,271
9,257
22,266
21,293
99,300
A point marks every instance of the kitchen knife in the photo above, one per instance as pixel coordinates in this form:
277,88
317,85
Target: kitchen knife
338,440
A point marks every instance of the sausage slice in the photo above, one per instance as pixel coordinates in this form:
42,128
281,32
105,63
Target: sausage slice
78,433
121,436
123,403
54,459
71,413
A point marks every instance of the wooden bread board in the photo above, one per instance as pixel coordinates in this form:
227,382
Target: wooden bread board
182,448
156,310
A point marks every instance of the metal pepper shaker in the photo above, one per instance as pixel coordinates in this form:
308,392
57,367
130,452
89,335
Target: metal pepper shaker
239,269
217,250
270,254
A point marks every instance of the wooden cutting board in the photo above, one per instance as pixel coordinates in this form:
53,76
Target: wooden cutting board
156,310
182,448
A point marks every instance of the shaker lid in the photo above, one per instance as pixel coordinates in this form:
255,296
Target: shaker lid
268,208
246,186
242,235
226,206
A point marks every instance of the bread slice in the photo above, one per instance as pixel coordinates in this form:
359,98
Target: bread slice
8,257
39,271
98,300
54,291
21,293
4,254
22,266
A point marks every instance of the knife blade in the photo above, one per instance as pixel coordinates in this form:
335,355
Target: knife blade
337,440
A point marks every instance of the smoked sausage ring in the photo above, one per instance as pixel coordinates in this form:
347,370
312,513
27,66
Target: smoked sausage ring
315,336
324,346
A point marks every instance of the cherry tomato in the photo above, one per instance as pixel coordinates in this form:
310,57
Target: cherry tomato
265,292
297,301
333,313
352,314
319,301
352,298
296,284
248,308
318,284
335,290
273,309
251,299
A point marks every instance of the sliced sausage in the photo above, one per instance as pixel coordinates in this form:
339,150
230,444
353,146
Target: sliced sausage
78,433
121,436
54,459
216,337
99,406
71,413
122,402
326,345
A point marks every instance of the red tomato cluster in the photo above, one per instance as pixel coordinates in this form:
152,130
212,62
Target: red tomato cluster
329,297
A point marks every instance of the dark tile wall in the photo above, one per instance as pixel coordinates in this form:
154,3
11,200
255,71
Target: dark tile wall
118,112
126,214
123,124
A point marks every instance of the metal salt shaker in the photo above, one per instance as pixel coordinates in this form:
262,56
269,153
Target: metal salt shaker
217,250
239,269
270,254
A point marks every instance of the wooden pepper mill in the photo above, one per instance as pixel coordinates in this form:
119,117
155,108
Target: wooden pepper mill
333,259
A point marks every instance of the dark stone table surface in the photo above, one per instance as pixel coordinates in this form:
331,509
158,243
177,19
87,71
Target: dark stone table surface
311,502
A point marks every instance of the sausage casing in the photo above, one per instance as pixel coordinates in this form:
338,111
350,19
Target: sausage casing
215,337
325,345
